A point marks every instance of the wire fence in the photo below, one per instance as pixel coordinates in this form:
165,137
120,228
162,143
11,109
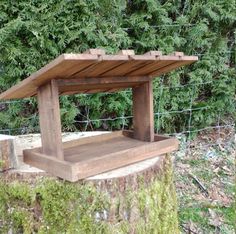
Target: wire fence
189,129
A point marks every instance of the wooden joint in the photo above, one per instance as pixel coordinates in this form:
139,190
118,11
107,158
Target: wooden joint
156,53
178,54
98,52
126,52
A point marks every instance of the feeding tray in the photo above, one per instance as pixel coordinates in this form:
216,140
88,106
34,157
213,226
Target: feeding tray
92,155
92,72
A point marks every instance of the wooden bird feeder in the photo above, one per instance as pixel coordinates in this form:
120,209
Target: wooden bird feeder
93,72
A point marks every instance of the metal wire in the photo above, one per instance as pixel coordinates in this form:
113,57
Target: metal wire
124,91
188,111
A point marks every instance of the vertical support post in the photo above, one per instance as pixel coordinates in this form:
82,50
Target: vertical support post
143,119
50,121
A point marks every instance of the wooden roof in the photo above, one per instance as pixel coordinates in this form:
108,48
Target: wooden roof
94,71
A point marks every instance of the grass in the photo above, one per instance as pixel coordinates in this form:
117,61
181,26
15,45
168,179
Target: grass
193,214
200,217
214,211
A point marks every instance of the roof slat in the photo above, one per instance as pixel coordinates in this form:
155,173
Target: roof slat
126,52
96,63
95,51
148,69
154,52
169,68
106,63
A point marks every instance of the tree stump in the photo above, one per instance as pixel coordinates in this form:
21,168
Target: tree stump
139,198
8,158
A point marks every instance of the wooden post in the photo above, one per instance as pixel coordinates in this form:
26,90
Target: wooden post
143,120
50,121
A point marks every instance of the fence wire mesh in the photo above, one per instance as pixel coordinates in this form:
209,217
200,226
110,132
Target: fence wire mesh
189,130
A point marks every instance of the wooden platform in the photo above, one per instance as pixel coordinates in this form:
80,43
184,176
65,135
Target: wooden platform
95,71
93,155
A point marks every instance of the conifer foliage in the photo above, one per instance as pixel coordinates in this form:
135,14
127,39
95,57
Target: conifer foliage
32,33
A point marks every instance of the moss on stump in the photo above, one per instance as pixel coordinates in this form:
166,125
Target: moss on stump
142,203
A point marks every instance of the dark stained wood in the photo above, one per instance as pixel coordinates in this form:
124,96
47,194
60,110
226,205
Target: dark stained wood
160,62
169,67
90,91
95,63
135,61
151,67
91,72
93,155
78,66
56,68
121,157
85,88
97,69
49,119
60,168
130,134
106,80
94,85
104,64
143,120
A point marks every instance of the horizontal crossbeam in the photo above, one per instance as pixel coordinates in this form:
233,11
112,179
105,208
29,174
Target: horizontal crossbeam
103,80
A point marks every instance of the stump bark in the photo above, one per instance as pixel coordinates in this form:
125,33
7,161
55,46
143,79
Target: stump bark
141,195
139,198
8,158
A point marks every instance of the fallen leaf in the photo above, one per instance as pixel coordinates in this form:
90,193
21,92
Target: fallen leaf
216,169
199,197
183,165
227,170
214,195
191,228
214,220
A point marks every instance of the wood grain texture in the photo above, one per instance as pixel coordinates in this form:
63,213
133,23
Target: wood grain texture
95,88
130,134
93,155
94,85
91,72
56,68
95,63
121,157
49,118
90,91
49,164
143,119
106,80
169,68
151,67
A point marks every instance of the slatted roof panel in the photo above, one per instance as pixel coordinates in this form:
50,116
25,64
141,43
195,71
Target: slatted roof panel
95,63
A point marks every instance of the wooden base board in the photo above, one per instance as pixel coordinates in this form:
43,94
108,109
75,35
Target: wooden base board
93,155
